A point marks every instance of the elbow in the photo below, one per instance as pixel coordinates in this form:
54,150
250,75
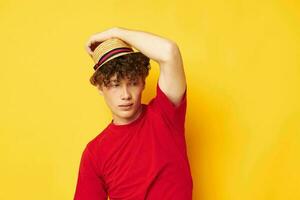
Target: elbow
171,52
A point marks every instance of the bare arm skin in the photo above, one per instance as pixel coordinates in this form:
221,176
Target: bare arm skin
165,52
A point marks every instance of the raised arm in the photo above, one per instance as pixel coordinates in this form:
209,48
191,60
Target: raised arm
165,52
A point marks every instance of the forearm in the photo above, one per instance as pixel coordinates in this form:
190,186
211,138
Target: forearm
155,47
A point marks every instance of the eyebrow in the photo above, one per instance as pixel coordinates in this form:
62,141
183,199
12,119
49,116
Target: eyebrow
117,81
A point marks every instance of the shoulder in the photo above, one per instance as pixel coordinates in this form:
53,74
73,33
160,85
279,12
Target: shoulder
95,143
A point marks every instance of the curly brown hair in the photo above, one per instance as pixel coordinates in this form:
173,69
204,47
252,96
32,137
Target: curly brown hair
132,66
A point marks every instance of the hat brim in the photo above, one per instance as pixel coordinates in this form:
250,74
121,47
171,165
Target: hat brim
111,58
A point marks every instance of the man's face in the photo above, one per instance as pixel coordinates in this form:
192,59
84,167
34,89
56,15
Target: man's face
123,98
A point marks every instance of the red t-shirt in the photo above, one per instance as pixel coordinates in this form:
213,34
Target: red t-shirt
145,159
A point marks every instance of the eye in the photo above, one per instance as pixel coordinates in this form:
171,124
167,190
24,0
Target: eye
115,85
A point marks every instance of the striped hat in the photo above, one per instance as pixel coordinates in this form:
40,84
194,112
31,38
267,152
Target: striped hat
108,50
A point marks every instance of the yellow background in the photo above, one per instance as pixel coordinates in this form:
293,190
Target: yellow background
242,61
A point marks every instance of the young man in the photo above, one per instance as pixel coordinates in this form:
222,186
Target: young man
141,154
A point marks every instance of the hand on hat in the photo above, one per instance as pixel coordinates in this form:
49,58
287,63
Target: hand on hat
100,37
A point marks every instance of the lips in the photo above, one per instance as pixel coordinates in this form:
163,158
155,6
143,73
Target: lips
126,105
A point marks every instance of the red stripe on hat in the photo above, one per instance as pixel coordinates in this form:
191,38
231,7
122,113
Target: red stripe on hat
112,53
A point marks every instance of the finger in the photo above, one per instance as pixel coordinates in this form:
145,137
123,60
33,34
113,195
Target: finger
88,47
91,44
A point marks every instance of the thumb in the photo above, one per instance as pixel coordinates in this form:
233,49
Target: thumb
88,49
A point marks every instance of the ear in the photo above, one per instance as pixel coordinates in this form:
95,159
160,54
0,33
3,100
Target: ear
100,89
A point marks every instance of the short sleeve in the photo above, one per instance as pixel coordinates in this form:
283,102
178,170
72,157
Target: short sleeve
173,114
90,186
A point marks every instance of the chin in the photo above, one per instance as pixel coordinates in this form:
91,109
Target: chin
127,114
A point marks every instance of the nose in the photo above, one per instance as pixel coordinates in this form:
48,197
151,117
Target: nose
125,95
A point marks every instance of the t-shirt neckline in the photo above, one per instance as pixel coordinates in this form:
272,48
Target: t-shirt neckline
131,124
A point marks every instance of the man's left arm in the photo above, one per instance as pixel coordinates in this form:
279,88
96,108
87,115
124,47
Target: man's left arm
172,79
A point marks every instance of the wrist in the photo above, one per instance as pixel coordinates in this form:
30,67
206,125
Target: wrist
117,32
